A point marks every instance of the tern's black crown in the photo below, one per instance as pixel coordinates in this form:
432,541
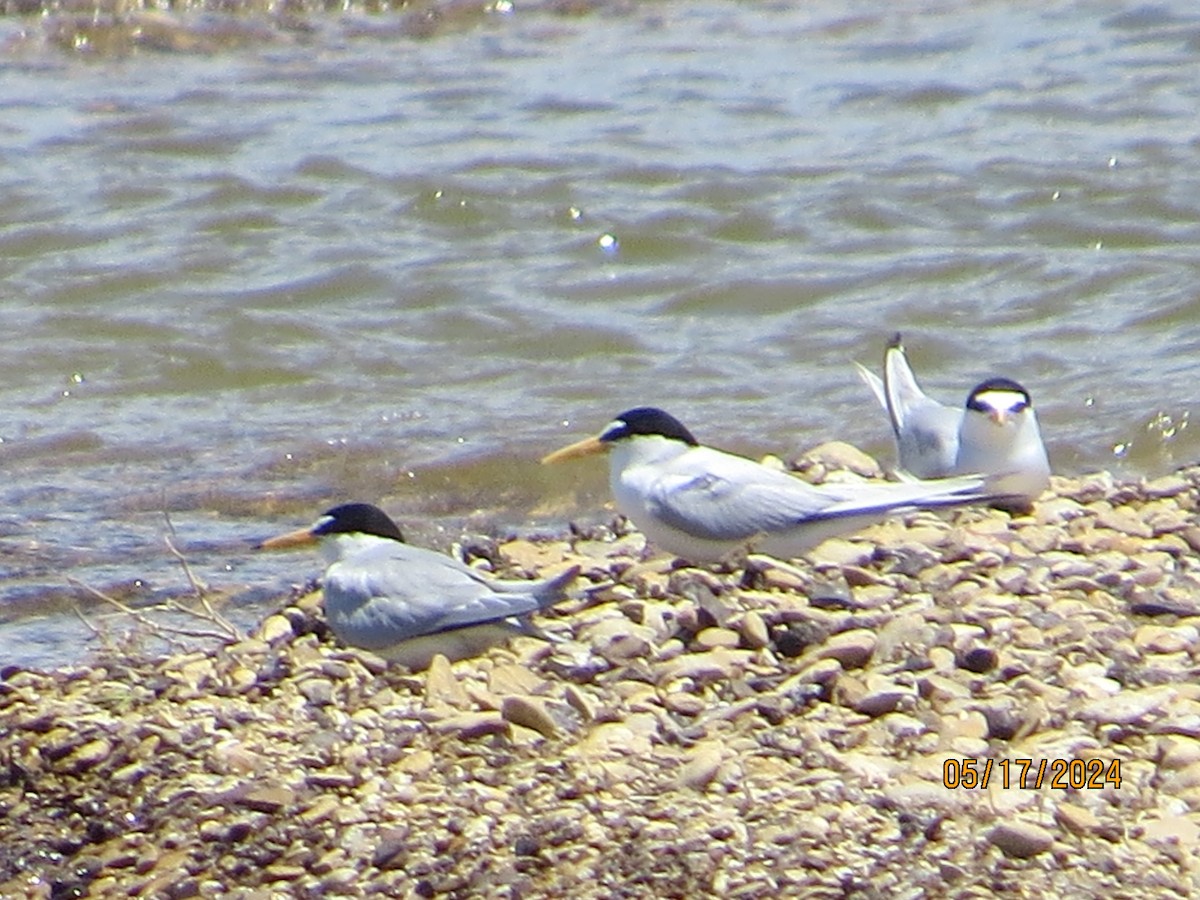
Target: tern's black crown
358,518
647,420
997,384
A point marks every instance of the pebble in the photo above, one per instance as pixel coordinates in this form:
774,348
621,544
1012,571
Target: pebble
701,766
713,638
754,630
1077,819
1021,839
530,712
852,649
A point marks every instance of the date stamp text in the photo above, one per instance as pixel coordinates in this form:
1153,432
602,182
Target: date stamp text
1079,774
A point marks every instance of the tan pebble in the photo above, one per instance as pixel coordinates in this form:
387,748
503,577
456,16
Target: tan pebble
1077,819
617,739
442,687
324,807
241,678
859,577
1125,520
868,768
1192,537
941,691
132,773
1167,640
943,659
1182,779
822,671
317,691
283,872
969,747
530,712
853,649
670,650
275,628
701,765
880,695
874,596
90,754
684,704
580,702
754,630
908,792
1129,707
511,679
471,725
1058,510
1177,752
197,673
903,726
625,647
418,763
340,880
1021,839
1178,830
844,456
841,552
532,557
233,757
635,692
270,799
715,665
1166,486
712,638
779,580
660,619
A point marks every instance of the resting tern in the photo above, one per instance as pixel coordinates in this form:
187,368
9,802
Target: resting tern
705,505
995,434
408,604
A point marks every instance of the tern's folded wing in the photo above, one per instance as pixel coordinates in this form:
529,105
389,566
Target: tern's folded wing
386,598
730,508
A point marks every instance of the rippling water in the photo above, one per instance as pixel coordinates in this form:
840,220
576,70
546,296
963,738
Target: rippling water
343,261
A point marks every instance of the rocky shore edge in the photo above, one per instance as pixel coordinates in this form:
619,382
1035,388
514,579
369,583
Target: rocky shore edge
819,728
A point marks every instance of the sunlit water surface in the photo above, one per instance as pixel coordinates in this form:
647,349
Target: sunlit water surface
240,285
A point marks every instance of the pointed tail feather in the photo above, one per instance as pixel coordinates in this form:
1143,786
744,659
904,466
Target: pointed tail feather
554,590
900,385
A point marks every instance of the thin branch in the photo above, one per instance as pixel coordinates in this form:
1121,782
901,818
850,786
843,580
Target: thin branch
96,632
161,631
210,613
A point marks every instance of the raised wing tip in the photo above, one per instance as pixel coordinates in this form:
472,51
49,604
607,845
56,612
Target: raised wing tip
896,342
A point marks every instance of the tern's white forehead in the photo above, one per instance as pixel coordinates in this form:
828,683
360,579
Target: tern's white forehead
1000,401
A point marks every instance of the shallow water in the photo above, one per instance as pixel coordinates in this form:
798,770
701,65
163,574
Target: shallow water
343,261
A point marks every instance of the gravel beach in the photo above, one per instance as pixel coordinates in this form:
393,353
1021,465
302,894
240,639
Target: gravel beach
820,728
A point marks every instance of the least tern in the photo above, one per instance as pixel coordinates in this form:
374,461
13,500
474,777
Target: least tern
995,434
705,505
408,604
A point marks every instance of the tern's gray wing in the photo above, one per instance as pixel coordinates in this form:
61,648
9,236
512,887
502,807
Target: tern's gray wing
744,499
927,440
393,592
733,499
926,431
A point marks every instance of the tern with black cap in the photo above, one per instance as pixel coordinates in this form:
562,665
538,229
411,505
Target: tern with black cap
408,604
706,505
995,434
